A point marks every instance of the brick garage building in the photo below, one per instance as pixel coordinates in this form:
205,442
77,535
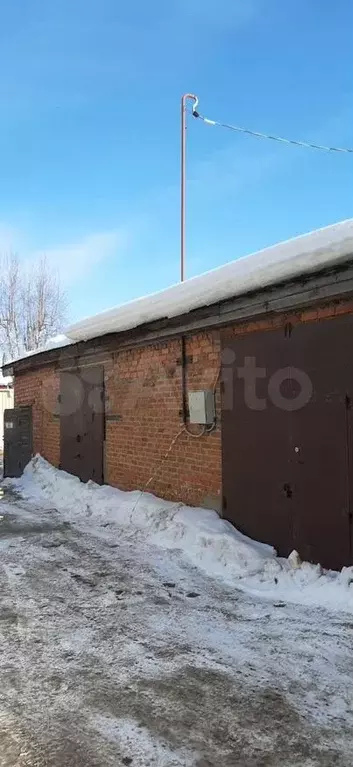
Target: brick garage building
269,340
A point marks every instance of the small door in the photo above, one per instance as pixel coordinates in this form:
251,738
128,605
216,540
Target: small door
82,423
18,440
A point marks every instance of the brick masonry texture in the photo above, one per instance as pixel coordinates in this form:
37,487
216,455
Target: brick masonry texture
40,389
143,404
143,397
144,387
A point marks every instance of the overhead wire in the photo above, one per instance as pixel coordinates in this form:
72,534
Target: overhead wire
268,136
255,134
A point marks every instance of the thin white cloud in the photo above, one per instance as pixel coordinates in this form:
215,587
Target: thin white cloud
74,261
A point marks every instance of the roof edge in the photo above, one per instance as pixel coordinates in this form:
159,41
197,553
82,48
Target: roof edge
334,283
284,261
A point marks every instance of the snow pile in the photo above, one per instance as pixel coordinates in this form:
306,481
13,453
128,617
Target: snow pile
286,260
208,541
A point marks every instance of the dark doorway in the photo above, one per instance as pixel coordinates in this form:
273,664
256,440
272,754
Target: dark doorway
287,438
18,440
82,423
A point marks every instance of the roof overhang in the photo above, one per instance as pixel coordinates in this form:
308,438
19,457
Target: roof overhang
331,284
304,255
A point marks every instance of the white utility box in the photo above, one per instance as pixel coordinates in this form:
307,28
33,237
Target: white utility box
201,407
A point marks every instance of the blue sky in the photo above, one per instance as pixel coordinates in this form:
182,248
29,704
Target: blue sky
89,133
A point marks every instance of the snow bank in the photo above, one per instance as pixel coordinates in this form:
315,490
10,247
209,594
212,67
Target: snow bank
208,541
284,261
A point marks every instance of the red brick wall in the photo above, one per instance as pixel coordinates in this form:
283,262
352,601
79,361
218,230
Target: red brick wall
143,405
144,388
40,389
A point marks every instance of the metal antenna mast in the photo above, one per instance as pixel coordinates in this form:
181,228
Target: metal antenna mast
183,178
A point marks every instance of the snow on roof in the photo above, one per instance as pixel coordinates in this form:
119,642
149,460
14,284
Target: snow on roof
286,260
56,342
295,257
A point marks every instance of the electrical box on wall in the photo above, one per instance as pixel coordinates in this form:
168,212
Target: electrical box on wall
201,407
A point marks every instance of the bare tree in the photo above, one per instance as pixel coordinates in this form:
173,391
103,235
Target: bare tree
32,306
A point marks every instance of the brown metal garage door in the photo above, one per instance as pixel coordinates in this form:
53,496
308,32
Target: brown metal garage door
82,423
287,438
